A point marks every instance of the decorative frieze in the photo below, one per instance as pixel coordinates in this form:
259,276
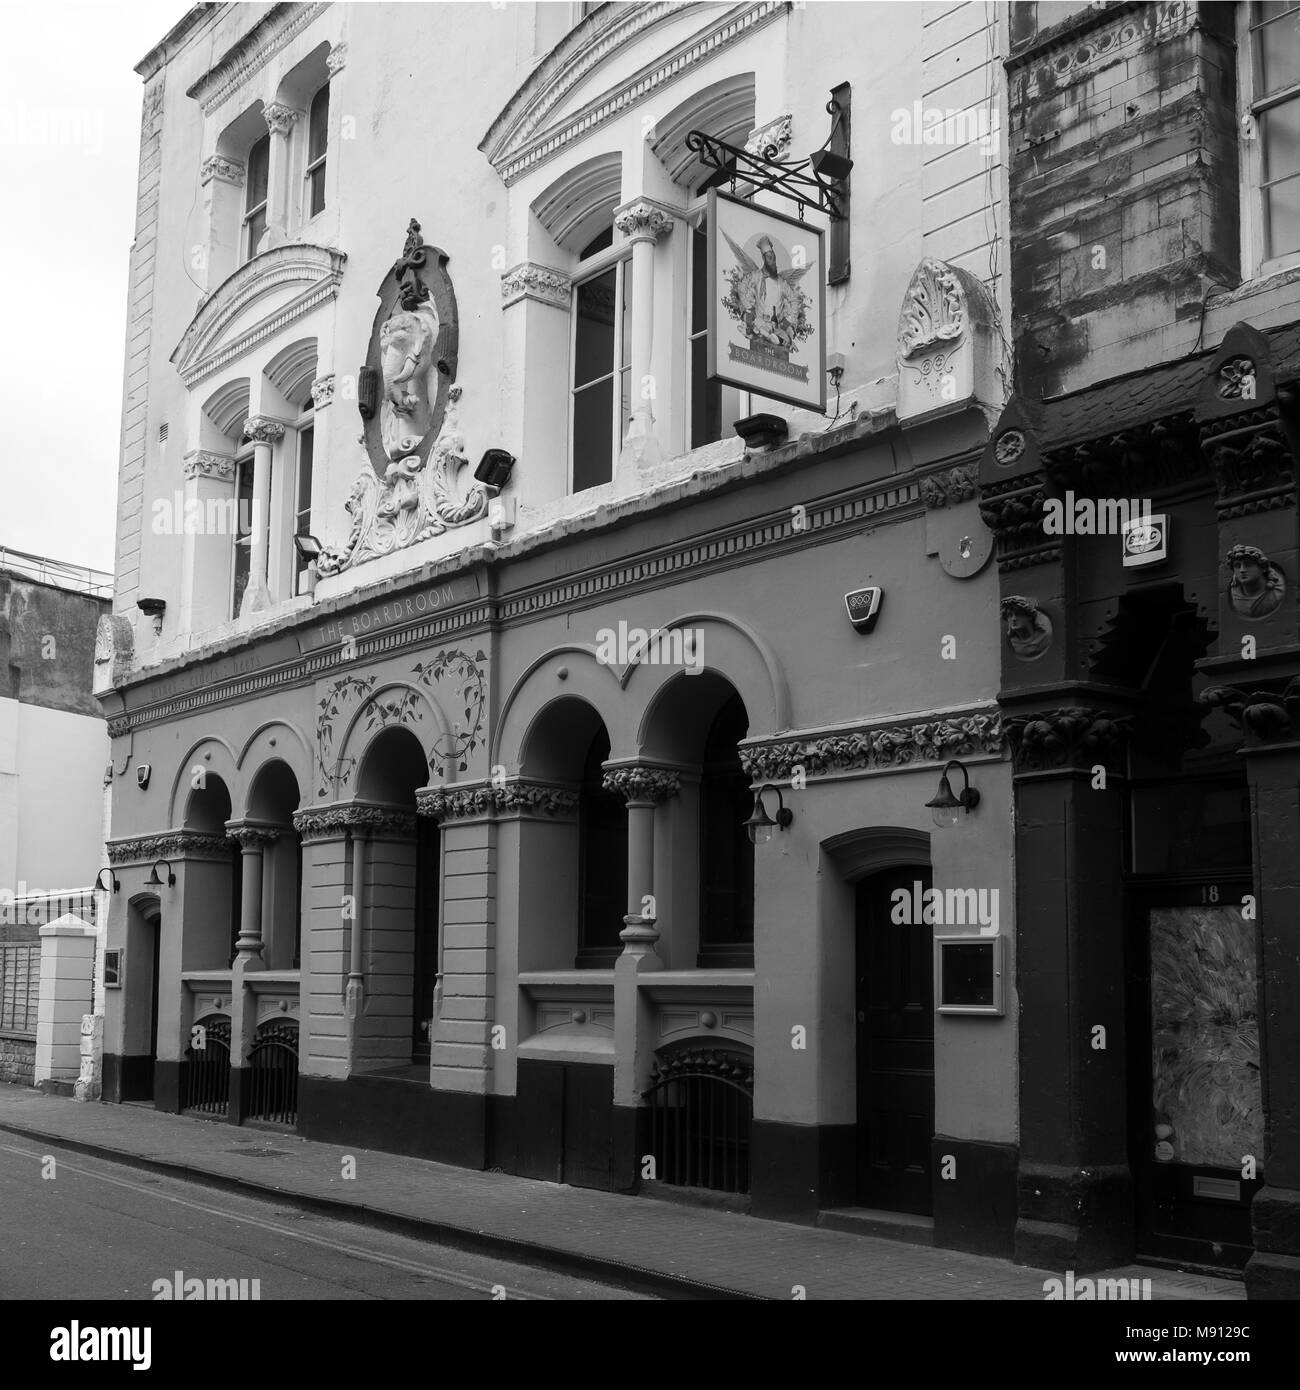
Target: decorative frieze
1073,737
334,822
950,487
881,746
643,220
322,391
529,280
203,463
280,118
169,845
222,168
1269,713
263,429
474,800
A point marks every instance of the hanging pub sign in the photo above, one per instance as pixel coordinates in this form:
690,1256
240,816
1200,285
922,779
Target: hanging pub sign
767,302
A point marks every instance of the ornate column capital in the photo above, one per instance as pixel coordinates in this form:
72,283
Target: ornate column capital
1267,714
519,796
280,118
263,429
322,391
252,836
529,280
772,138
643,220
223,169
337,59
640,782
203,463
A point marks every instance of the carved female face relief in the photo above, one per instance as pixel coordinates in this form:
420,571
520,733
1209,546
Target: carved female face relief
1256,585
1028,632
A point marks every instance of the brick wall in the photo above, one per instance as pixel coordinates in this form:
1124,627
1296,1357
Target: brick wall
1124,182
17,1060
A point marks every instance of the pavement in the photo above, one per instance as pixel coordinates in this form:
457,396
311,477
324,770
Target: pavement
666,1248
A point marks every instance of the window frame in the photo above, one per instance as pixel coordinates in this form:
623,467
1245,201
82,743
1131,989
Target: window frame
619,257
244,459
249,213
1255,265
312,166
306,425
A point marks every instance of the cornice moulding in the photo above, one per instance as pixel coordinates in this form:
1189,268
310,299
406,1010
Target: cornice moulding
250,54
170,845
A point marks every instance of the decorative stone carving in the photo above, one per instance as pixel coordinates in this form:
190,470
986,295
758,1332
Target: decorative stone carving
414,501
322,391
337,59
640,783
893,745
218,166
946,342
1009,447
203,463
1028,631
529,280
950,487
280,118
643,219
413,485
464,802
334,822
770,141
701,1061
114,652
1237,379
1265,716
252,836
263,429
169,845
1257,585
1070,737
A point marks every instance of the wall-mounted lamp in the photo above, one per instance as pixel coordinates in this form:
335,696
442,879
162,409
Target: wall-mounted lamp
112,880
153,608
760,825
308,547
494,468
154,881
944,805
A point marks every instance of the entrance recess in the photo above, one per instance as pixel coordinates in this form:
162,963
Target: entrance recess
895,1046
1196,1127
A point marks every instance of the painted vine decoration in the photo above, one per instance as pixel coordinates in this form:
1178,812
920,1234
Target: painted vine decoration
403,708
466,736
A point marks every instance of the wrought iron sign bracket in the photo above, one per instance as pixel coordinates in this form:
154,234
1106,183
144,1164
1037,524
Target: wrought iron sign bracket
816,180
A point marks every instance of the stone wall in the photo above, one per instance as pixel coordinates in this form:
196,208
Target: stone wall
17,1059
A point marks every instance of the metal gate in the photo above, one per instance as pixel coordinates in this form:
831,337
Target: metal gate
273,1074
701,1103
207,1075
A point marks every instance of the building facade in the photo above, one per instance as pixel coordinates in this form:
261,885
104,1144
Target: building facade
53,753
435,785
1148,692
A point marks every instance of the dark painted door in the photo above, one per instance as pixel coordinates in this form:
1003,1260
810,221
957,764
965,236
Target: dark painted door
1196,1122
425,965
154,927
895,1046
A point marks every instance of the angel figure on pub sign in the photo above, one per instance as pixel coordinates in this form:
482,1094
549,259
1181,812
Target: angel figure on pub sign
765,300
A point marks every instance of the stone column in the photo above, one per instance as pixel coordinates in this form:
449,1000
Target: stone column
646,788
354,993
252,839
264,432
280,120
67,974
326,890
535,302
642,223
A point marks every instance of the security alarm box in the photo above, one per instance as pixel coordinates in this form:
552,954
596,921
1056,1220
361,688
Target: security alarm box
864,607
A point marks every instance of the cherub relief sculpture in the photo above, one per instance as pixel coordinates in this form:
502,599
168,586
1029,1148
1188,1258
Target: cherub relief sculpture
406,344
1257,585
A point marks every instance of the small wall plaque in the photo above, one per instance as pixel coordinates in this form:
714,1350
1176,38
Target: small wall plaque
112,969
1146,540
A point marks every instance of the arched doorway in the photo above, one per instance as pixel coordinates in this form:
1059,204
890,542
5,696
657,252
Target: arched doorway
272,800
402,910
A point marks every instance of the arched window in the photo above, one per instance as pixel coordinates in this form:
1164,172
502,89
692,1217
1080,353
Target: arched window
714,406
602,400
726,855
255,193
318,120
602,862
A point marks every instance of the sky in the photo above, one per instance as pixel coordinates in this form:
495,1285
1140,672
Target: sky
69,146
